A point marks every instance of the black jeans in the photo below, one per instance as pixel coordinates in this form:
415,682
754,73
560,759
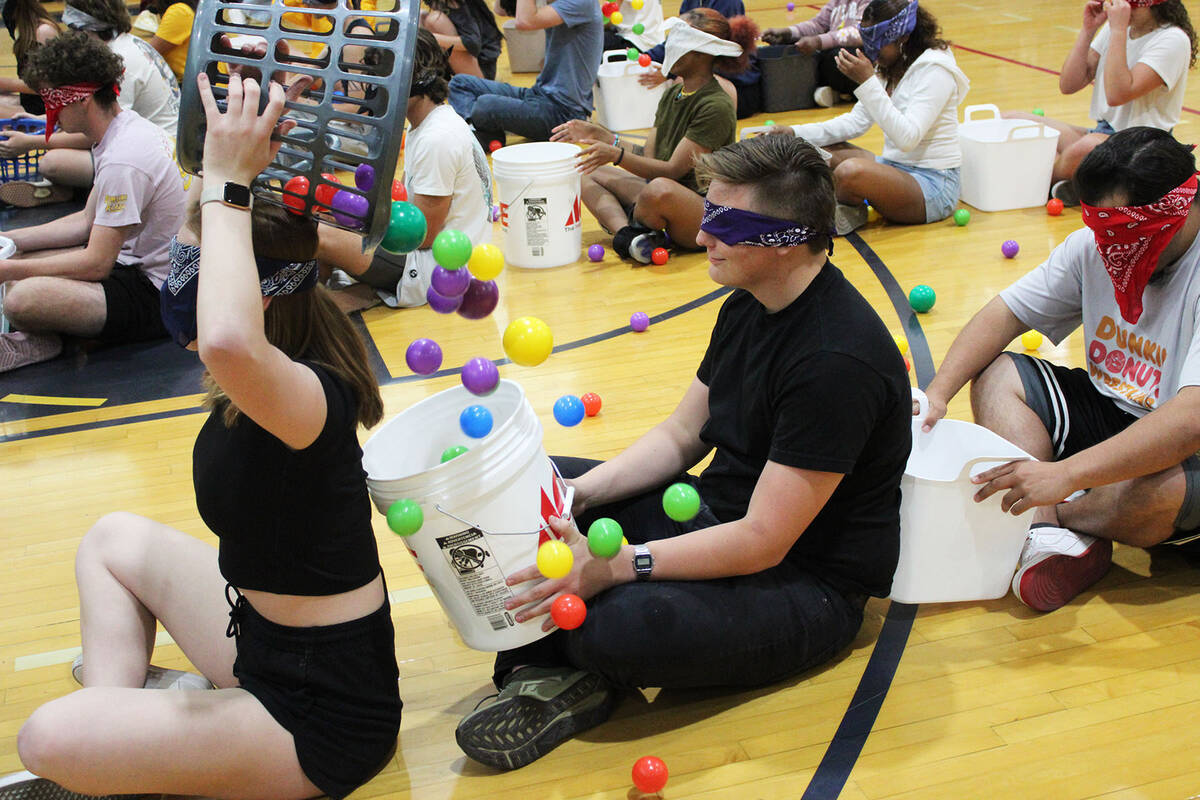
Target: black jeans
744,631
829,75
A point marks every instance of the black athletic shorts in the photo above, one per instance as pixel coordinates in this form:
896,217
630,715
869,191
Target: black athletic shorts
1077,416
132,312
333,687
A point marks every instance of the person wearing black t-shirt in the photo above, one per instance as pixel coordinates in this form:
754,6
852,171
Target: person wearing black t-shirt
289,618
806,402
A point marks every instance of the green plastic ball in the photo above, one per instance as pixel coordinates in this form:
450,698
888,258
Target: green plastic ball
638,28
604,537
681,502
632,54
406,228
922,298
405,517
1040,112
452,249
962,217
769,123
451,453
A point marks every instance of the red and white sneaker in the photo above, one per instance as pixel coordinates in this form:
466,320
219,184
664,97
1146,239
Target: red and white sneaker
1057,564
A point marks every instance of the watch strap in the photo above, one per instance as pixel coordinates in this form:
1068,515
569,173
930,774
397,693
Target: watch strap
643,562
229,194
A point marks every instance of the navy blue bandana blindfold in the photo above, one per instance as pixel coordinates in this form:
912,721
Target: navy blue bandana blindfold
737,226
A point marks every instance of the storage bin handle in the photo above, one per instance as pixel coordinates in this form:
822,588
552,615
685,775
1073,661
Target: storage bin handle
968,114
1025,125
965,474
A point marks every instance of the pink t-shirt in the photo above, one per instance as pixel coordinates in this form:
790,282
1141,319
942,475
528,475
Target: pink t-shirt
138,183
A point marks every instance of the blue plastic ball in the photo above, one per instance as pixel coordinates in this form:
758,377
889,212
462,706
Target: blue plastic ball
568,410
475,421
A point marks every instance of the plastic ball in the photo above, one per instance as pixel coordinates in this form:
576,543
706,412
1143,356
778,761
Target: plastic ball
554,559
406,228
644,60
479,300
1010,248
604,537
638,29
1054,207
649,774
448,283
528,341
295,194
922,298
632,54
660,256
405,517
487,262
636,5
494,145
606,9
639,321
423,356
617,18
901,343
962,217
453,452
325,191
907,364
350,209
681,501
591,404
791,6
451,248
1031,340
441,303
475,421
495,215
769,123
398,190
596,252
568,410
568,611
364,177
480,376
1040,112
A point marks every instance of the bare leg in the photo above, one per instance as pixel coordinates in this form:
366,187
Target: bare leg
461,62
607,191
61,305
998,404
893,192
1140,512
67,167
845,150
1068,160
670,205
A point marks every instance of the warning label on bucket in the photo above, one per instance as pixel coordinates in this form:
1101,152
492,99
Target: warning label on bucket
537,228
478,574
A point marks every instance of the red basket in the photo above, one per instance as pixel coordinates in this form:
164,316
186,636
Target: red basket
23,167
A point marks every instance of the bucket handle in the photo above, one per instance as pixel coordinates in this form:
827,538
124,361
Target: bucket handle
922,404
965,473
969,112
1025,125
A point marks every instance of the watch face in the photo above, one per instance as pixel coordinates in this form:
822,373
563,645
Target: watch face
237,195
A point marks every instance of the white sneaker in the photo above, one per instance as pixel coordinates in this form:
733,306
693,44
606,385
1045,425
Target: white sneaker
156,678
1057,564
824,96
848,218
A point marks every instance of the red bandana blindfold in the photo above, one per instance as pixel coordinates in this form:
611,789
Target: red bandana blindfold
1131,238
60,97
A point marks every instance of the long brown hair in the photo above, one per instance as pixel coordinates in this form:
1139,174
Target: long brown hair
29,16
307,325
1174,12
927,34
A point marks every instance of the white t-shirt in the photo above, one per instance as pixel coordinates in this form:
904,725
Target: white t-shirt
148,85
650,15
1139,366
443,158
138,183
1167,51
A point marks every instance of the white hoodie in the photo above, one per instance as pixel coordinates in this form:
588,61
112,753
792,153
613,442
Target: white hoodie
919,120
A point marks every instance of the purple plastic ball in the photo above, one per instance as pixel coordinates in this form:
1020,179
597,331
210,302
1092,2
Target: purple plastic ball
596,252
423,356
364,177
480,376
450,282
350,209
640,321
495,213
1010,248
479,300
440,303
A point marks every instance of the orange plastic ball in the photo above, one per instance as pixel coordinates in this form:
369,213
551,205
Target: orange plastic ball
644,60
568,611
660,255
591,404
398,190
1054,207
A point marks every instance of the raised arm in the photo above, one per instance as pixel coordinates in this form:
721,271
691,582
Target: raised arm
531,18
1079,69
1122,84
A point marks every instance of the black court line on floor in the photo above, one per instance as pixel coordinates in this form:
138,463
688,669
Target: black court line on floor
847,743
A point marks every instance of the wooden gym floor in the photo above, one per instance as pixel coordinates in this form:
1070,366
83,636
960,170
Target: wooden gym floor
967,700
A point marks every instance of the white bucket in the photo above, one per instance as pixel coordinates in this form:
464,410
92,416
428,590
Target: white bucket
485,511
8,248
526,49
623,104
952,548
540,205
1007,163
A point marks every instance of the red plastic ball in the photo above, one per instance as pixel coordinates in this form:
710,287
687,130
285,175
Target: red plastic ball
660,255
608,8
494,145
591,404
295,194
324,193
907,364
1054,207
398,190
644,59
568,611
649,774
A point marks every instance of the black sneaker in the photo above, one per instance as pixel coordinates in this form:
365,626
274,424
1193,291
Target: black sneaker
27,786
624,237
643,245
1065,191
538,709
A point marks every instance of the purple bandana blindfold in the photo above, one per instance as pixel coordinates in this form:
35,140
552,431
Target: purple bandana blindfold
736,226
876,37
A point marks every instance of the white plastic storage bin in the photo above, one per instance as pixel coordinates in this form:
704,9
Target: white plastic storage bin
623,104
953,549
526,49
1006,162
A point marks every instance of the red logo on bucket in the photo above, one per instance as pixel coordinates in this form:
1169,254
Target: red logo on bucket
576,214
550,509
504,216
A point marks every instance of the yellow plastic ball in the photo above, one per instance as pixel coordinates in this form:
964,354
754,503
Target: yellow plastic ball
554,559
528,341
487,261
1031,340
636,5
901,343
617,18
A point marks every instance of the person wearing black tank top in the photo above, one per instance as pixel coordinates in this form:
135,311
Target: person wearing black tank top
289,619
